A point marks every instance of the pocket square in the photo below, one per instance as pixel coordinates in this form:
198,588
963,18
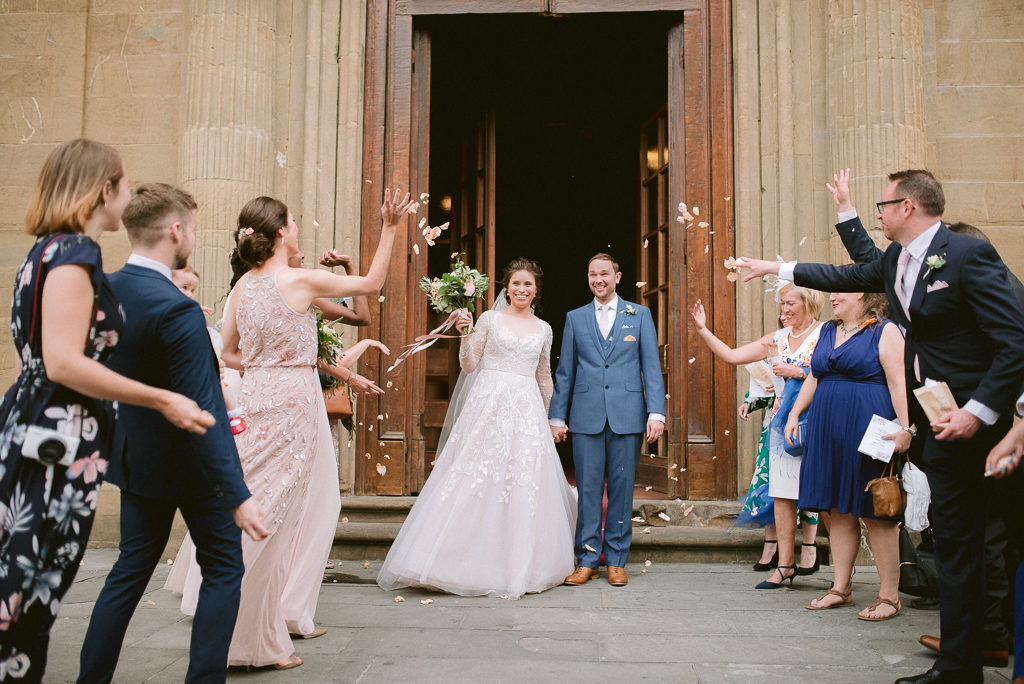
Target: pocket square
937,285
627,326
629,338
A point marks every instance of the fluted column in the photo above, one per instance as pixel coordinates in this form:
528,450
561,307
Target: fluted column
227,151
876,91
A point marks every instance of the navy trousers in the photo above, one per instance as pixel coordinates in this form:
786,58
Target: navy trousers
610,457
145,527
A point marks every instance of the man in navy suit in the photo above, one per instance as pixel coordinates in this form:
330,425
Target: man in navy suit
160,468
609,365
951,294
1002,529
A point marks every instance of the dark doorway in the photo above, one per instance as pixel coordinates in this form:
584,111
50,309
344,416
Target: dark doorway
569,96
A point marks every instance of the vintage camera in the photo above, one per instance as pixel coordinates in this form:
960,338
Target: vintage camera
49,447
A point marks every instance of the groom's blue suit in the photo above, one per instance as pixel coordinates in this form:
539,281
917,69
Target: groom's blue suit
161,468
614,384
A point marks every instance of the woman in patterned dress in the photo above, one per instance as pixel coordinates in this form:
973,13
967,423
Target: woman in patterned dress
65,322
270,335
791,348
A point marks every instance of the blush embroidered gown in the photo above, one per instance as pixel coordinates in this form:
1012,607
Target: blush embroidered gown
496,516
288,458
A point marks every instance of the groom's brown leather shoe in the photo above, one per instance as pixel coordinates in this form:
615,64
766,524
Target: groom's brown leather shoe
617,576
581,575
991,657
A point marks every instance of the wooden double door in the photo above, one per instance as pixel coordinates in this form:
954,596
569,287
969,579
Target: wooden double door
521,158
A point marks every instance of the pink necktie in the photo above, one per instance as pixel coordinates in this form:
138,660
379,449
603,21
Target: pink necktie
901,269
605,322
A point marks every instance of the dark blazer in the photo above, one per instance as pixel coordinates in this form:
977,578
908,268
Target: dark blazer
165,344
967,332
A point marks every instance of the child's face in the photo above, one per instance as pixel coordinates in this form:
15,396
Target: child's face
187,282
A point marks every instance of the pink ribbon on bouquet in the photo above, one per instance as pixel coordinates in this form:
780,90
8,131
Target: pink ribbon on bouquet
425,341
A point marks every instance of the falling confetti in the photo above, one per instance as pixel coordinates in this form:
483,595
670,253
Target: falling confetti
381,298
665,517
706,249
381,469
668,396
150,603
648,488
399,599
731,277
641,283
426,602
688,510
415,248
453,255
638,520
645,243
170,561
415,208
370,428
423,222
643,571
366,565
727,198
380,416
329,566
345,519
390,383
727,432
692,359
696,211
803,239
588,547
367,181
387,457
673,477
647,563
316,224
703,224
504,597
424,196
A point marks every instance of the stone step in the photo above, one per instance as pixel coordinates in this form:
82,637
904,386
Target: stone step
670,543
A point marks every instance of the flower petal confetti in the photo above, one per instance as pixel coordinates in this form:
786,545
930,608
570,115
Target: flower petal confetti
426,602
590,548
692,359
648,488
638,520
415,248
803,239
381,298
366,565
665,517
345,519
703,224
641,283
423,222
647,563
399,599
381,469
696,211
688,510
646,242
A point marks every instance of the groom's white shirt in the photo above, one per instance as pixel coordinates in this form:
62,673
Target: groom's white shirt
613,304
145,262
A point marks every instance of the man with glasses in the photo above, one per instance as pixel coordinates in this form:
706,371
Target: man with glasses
963,325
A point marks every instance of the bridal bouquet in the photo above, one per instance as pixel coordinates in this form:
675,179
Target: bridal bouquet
457,289
328,348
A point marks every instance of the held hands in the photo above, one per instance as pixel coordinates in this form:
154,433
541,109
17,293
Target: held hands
392,211
249,519
700,319
559,432
841,190
184,413
1005,457
959,424
654,430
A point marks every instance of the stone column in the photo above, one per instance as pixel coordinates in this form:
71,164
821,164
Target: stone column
227,151
876,92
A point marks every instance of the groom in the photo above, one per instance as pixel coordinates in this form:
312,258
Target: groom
160,468
609,362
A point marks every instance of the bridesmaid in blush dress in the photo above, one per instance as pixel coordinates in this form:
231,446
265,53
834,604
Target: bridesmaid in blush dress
270,334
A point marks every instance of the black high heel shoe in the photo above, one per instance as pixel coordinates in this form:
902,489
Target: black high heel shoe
775,585
801,570
761,567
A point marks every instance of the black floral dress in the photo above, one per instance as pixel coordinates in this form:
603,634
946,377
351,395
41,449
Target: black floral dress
46,512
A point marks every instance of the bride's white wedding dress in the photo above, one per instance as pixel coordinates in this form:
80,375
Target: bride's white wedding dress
496,516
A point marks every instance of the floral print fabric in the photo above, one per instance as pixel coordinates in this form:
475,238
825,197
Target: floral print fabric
46,512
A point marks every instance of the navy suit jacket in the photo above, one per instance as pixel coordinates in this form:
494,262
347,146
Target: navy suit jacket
618,382
967,332
165,344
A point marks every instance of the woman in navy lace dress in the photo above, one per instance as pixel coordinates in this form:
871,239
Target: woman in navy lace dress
56,420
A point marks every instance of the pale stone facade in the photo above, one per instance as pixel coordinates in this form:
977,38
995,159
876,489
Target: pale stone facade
236,98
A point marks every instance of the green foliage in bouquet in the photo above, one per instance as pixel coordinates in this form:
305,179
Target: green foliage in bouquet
328,347
457,289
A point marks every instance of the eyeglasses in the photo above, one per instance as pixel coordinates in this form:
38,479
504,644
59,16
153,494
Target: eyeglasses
879,205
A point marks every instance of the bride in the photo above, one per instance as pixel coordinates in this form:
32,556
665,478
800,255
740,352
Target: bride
496,517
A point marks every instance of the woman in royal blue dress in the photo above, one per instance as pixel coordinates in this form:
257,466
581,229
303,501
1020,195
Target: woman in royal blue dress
856,372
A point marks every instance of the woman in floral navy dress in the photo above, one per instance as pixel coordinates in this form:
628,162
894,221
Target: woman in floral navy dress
65,323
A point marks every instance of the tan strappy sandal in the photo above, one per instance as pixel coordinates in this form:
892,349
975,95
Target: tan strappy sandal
847,600
879,601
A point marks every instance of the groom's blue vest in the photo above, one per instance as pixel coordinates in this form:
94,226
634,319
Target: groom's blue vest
615,381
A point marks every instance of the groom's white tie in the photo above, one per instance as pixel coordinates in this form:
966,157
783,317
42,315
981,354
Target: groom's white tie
605,319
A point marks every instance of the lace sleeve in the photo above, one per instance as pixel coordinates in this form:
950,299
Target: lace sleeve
471,348
547,387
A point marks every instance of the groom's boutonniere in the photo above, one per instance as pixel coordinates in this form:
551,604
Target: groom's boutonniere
934,263
630,310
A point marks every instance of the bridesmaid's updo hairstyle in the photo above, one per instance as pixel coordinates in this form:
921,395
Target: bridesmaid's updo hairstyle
523,264
70,186
258,223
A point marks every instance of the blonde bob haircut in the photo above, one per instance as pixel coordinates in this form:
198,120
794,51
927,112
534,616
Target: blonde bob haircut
814,300
70,186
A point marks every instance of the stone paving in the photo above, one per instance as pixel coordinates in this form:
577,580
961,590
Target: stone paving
678,622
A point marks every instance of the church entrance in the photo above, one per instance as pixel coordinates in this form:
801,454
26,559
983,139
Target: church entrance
551,137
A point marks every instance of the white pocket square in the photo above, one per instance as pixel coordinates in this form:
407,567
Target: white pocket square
937,285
